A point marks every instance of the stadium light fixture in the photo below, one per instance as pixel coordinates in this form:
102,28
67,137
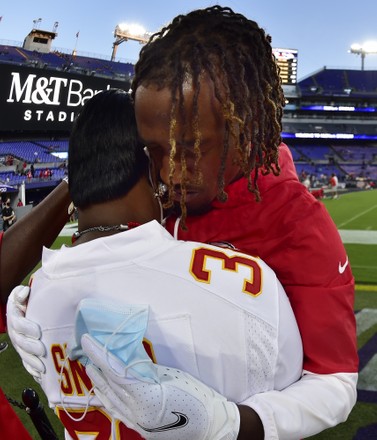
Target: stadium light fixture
124,32
36,22
370,47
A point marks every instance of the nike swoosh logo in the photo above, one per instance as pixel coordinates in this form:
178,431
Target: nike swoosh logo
341,267
181,421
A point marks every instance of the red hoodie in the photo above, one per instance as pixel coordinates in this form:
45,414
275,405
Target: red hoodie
293,233
2,306
11,426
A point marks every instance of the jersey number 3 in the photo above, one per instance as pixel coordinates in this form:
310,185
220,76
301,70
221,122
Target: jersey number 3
251,285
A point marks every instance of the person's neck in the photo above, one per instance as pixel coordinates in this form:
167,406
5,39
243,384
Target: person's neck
102,219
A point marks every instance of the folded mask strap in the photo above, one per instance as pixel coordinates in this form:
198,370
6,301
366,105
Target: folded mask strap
63,405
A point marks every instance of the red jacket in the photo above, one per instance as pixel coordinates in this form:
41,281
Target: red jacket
295,235
2,306
10,424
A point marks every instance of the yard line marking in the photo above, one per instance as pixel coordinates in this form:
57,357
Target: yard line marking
366,287
358,266
69,229
358,236
367,376
365,319
357,216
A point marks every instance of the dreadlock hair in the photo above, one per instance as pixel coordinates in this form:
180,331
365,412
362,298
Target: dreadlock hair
237,56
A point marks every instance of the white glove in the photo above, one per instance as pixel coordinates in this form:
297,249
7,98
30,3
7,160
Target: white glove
25,334
178,407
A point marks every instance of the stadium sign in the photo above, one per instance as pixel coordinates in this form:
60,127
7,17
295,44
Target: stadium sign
34,99
7,188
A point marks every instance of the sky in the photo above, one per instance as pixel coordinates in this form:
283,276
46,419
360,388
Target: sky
321,30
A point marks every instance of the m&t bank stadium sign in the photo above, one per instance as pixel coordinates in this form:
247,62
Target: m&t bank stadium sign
34,99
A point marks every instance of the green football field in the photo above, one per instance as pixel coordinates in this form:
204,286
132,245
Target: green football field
355,215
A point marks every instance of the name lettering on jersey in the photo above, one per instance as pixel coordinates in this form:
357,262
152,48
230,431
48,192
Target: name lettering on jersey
72,374
198,269
148,346
93,423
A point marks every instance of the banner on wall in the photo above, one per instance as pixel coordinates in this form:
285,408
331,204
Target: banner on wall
7,188
34,99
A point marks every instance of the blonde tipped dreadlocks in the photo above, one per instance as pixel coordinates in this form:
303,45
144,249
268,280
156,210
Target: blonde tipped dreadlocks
237,56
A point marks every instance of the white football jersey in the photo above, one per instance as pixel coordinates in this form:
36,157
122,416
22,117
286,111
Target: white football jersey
217,314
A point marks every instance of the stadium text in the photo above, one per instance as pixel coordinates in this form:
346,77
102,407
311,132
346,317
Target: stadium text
49,116
46,100
48,91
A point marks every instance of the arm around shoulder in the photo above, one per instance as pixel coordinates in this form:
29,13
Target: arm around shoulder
314,403
22,244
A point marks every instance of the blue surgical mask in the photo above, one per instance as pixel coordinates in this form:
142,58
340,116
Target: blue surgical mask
120,329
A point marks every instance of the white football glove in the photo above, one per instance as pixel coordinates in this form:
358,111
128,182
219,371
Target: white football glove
25,334
178,407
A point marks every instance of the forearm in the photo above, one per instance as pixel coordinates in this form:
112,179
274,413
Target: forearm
307,407
251,427
22,244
